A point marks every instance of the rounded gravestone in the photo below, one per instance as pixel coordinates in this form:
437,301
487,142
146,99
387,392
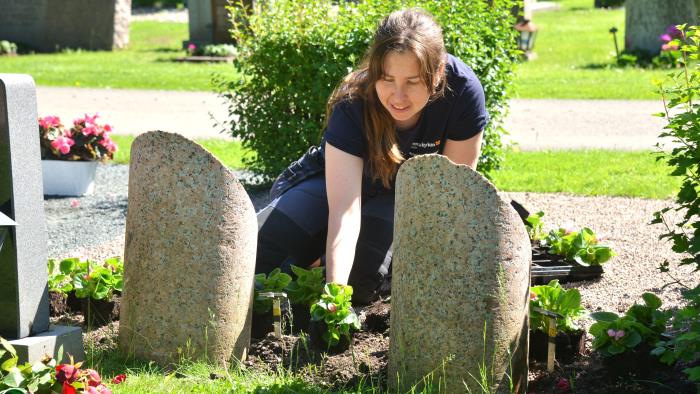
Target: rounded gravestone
461,272
190,245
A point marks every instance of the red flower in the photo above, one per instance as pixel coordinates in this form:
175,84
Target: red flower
119,378
332,308
66,373
563,385
67,389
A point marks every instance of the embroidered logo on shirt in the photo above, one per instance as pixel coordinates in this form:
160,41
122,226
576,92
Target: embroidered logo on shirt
423,145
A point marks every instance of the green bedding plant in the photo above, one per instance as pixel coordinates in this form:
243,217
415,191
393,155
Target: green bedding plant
276,281
580,246
100,282
535,226
8,48
554,298
335,310
307,287
87,278
614,334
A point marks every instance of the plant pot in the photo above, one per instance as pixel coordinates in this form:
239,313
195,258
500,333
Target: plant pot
546,267
637,362
99,313
568,346
68,178
261,325
301,315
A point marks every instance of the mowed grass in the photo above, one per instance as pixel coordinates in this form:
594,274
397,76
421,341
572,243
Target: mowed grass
147,63
581,172
230,153
587,173
574,60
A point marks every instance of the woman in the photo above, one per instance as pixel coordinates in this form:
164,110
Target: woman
408,97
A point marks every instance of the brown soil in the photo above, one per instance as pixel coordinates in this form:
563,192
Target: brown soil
367,362
58,304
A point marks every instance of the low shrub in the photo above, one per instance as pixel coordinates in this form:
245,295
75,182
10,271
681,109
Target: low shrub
680,98
334,310
87,278
215,50
608,3
294,53
7,48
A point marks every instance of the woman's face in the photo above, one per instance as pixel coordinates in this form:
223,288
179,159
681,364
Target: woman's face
401,90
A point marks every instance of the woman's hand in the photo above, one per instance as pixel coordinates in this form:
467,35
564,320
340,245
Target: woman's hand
344,189
464,152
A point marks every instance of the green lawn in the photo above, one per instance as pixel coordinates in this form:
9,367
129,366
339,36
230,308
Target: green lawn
581,172
574,51
145,64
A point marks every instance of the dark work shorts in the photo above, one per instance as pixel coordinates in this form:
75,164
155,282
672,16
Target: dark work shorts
293,228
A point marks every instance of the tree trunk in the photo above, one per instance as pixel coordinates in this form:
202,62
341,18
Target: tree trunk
646,20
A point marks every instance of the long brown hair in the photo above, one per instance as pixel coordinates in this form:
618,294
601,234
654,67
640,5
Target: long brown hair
411,30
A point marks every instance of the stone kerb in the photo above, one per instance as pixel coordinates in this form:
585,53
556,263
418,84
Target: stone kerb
191,234
460,283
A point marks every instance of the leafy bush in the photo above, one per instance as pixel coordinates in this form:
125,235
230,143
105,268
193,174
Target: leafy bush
307,287
579,246
335,310
25,378
553,298
640,324
275,282
294,53
683,128
7,48
685,344
216,50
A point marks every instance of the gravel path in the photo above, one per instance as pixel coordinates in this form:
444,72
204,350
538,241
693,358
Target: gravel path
93,227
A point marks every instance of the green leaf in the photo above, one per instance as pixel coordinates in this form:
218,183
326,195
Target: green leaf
631,339
615,349
693,373
9,364
13,378
67,266
651,300
8,347
604,316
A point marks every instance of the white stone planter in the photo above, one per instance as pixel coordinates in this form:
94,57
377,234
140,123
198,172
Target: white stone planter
68,178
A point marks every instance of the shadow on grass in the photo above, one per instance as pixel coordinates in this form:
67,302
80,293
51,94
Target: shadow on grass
597,66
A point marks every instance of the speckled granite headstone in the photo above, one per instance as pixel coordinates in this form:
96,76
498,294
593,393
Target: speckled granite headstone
461,262
190,245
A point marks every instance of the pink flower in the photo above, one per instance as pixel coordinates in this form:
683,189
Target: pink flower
121,378
667,47
74,203
665,37
101,389
616,335
62,144
533,296
94,379
332,308
108,128
89,130
568,227
191,47
109,145
49,121
563,385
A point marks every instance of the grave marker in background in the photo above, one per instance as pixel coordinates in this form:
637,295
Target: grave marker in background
461,266
24,307
48,25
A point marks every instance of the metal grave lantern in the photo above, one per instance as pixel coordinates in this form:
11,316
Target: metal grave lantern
527,32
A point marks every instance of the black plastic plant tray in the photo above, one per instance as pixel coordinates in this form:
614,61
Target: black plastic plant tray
546,267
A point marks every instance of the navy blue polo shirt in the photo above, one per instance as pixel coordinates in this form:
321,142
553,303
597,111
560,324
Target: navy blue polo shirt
459,115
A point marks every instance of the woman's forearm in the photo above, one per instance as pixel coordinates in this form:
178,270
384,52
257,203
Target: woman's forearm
343,231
